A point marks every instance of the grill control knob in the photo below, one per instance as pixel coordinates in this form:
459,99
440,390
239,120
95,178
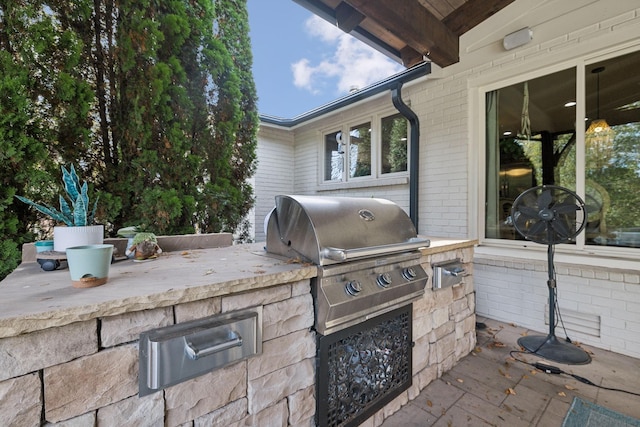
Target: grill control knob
384,280
353,287
409,273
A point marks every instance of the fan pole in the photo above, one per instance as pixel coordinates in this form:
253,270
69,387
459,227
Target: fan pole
551,284
550,347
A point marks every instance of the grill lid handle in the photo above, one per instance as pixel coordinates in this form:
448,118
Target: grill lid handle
339,254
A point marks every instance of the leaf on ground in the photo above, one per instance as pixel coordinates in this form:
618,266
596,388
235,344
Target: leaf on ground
503,373
562,394
429,403
184,253
569,387
460,380
510,391
495,344
478,349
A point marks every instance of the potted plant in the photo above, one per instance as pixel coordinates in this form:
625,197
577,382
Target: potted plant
74,213
144,246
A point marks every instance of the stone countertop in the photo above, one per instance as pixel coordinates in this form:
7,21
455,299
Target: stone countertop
32,299
443,244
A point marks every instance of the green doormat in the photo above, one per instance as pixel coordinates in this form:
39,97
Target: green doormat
587,414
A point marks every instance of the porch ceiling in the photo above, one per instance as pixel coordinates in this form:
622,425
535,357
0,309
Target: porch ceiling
408,30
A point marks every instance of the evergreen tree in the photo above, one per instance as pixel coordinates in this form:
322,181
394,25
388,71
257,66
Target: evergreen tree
154,101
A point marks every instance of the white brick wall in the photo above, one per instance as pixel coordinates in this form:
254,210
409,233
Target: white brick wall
508,292
275,172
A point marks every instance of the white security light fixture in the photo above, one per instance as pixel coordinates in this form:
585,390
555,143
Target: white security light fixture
517,38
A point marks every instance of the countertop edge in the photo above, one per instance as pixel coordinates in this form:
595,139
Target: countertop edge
281,273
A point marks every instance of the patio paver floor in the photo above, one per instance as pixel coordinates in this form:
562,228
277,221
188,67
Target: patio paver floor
489,388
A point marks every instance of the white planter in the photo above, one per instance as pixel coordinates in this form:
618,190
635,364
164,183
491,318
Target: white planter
65,237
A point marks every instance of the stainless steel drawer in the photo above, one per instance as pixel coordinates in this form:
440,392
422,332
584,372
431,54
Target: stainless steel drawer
448,273
176,353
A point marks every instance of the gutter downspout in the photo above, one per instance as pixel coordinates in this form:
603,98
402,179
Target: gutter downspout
396,96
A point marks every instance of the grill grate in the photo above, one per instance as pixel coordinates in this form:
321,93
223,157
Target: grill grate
364,367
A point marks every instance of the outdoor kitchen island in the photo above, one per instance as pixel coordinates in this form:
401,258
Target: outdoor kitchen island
72,354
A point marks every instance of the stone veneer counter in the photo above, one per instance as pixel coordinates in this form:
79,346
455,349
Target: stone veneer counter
33,299
71,355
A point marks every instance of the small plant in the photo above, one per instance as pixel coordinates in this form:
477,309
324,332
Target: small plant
76,213
144,246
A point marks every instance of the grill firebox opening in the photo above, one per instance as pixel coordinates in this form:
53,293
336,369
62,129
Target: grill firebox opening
362,368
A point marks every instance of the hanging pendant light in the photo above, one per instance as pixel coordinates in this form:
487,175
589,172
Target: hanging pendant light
599,136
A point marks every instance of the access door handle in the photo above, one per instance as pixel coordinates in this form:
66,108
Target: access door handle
195,351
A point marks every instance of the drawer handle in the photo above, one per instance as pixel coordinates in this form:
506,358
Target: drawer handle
194,352
455,272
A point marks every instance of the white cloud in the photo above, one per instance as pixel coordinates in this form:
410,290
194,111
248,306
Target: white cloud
350,62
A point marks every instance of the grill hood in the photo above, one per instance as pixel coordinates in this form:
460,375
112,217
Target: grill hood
329,230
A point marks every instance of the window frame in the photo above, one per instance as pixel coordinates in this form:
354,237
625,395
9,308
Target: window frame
376,178
478,97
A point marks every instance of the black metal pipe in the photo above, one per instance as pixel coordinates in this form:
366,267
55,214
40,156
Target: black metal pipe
408,113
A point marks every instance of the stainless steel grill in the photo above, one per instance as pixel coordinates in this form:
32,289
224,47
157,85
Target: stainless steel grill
367,251
369,272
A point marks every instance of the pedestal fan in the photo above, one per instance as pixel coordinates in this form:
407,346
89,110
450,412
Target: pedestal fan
549,215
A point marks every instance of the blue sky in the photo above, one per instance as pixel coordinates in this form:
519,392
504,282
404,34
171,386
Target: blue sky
301,62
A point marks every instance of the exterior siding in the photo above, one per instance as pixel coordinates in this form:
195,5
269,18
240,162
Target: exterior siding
275,173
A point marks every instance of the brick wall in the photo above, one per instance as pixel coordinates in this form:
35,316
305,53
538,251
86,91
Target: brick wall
275,174
604,301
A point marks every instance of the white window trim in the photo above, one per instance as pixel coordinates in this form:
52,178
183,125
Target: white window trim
377,178
580,253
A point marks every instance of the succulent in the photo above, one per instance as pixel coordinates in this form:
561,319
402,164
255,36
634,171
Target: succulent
75,213
144,237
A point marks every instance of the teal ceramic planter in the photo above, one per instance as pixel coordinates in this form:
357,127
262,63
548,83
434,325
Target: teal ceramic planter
89,265
43,245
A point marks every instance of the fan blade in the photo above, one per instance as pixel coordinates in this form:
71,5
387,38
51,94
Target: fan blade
545,199
562,228
529,212
565,207
529,199
538,228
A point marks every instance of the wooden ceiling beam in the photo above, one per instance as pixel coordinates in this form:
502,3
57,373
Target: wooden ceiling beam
414,24
347,18
410,57
472,13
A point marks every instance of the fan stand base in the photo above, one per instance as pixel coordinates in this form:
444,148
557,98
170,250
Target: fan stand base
559,351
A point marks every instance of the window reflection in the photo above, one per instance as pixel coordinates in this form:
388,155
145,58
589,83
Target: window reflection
531,140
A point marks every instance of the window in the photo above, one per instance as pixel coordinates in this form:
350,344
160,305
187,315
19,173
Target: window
354,154
532,140
360,150
394,144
